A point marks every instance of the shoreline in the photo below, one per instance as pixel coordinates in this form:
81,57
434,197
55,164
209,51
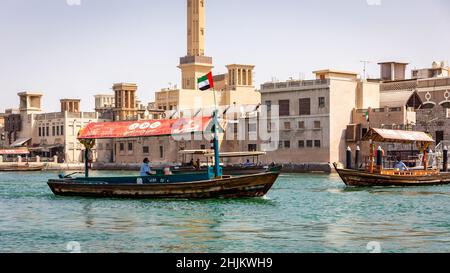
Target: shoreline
306,168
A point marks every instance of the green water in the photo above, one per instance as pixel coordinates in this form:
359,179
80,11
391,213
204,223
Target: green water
302,213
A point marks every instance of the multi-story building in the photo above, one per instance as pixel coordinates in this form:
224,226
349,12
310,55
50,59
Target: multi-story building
48,134
314,114
427,93
437,70
104,105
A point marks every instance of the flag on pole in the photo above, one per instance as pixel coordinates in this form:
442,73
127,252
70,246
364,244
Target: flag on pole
206,82
368,114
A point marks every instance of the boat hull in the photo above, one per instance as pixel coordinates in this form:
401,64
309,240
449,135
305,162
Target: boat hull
358,178
234,187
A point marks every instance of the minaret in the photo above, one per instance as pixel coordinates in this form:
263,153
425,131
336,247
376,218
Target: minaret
195,64
196,28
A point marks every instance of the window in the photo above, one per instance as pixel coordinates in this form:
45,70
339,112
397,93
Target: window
317,143
130,146
145,150
287,144
322,102
269,105
280,144
439,136
161,151
40,131
305,107
317,124
122,147
284,108
57,130
47,129
203,147
252,147
301,125
309,143
301,144
287,126
62,130
364,131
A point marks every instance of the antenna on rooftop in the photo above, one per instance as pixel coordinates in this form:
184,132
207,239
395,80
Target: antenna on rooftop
365,63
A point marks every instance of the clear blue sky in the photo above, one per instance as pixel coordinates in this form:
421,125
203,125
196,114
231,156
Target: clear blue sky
69,51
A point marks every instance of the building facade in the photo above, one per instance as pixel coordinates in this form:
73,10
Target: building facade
49,134
314,114
427,93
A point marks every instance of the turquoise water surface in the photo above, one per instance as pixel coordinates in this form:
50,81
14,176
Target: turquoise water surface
302,213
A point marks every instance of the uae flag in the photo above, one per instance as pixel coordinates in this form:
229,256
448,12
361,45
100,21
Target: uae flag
368,114
206,82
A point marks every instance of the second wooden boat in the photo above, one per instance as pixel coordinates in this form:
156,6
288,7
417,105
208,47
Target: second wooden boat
376,175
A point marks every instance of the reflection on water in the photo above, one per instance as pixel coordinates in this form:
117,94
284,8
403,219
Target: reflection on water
303,213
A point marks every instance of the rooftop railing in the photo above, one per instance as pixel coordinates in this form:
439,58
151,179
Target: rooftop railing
293,84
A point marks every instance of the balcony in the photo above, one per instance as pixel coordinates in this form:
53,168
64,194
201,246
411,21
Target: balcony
196,59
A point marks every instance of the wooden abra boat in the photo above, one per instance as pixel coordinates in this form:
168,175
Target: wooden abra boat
377,176
174,186
358,178
208,184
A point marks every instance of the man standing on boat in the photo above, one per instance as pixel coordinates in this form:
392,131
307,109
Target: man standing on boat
145,168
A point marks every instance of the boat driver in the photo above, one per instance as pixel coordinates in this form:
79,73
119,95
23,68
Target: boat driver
145,168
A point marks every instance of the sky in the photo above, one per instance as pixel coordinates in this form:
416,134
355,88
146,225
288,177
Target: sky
79,48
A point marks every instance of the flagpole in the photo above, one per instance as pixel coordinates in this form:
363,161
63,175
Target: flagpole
216,138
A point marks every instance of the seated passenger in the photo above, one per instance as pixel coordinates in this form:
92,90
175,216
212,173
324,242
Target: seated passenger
399,165
248,163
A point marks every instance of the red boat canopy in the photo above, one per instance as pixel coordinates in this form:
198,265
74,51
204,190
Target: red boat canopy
144,128
397,136
14,152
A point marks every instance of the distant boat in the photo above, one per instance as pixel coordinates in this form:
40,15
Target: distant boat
378,176
210,183
252,167
20,168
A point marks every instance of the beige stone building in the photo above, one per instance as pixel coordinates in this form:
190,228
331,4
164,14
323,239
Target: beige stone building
314,114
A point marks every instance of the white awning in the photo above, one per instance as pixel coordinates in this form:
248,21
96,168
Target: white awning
20,142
